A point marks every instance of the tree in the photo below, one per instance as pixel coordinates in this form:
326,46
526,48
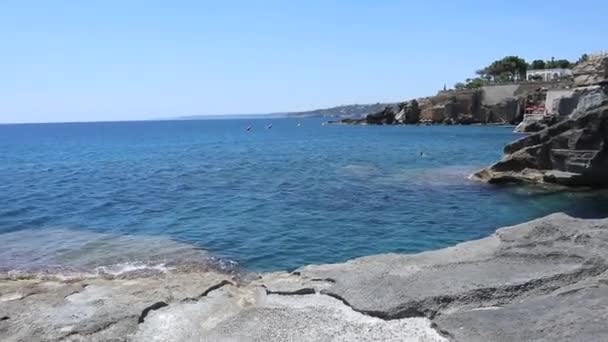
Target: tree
538,64
509,68
560,63
459,86
475,83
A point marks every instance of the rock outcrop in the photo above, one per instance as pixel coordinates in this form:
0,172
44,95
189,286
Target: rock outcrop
546,280
535,123
593,71
409,113
573,152
490,104
451,107
402,113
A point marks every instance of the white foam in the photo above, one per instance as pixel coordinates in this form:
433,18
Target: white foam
128,267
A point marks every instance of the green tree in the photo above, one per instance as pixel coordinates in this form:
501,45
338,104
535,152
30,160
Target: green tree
563,63
538,64
560,63
475,83
459,86
583,58
509,68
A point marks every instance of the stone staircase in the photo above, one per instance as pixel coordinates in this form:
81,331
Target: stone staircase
574,161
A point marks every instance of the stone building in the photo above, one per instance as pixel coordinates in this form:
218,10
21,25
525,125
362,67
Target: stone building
547,75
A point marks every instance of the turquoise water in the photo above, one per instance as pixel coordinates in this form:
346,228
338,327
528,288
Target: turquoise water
137,193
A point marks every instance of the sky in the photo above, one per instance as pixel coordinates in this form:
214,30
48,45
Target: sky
134,60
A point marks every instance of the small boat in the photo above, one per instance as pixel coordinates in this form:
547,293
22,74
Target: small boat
269,126
248,128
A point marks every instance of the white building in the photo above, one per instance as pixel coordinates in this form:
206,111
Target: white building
547,75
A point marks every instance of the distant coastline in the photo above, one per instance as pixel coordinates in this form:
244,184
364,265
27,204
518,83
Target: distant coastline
343,111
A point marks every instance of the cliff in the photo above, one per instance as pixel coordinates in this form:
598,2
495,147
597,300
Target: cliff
572,152
502,104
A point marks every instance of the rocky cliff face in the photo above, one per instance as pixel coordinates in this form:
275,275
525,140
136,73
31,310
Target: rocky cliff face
452,107
403,113
573,152
594,71
491,104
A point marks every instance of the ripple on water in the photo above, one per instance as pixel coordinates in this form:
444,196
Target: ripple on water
82,252
360,170
152,193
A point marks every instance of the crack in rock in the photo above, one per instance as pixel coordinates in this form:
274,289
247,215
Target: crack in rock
432,306
300,292
215,287
160,305
408,312
155,306
208,291
441,331
4,318
329,280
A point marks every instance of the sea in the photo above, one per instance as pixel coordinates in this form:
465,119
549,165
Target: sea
115,197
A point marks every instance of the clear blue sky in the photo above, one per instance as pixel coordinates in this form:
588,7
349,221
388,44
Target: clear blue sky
122,60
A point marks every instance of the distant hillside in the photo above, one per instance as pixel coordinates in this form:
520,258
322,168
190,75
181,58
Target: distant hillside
340,112
347,111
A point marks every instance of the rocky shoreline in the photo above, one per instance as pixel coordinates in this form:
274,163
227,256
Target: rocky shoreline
545,280
570,153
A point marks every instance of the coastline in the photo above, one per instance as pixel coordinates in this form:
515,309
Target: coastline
517,284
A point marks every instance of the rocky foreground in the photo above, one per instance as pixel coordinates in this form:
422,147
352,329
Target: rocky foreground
546,280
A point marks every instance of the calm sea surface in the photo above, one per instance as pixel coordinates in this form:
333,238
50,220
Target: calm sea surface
125,195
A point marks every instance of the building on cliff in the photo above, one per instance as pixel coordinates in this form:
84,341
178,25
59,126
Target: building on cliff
547,75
